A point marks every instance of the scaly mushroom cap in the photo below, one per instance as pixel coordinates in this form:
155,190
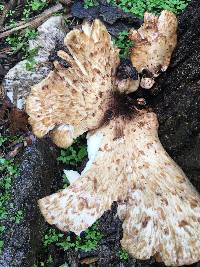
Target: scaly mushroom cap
161,209
72,100
154,43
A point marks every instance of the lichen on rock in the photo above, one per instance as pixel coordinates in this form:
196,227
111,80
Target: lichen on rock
18,81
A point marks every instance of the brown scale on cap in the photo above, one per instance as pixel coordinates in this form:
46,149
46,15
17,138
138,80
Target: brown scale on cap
71,101
159,207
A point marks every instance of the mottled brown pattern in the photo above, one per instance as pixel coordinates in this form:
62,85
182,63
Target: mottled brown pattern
70,96
159,207
154,43
155,208
145,221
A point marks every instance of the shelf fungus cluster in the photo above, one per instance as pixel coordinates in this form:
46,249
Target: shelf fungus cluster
159,207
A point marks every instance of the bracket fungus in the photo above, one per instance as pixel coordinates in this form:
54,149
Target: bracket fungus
159,207
154,43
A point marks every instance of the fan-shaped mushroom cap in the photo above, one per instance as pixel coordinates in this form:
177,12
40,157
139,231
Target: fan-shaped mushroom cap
161,209
154,43
77,96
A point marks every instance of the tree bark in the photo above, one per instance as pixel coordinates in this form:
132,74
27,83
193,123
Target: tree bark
177,100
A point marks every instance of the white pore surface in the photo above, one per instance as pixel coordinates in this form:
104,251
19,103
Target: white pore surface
93,144
72,176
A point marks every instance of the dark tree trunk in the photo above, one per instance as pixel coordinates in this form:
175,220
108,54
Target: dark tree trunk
178,97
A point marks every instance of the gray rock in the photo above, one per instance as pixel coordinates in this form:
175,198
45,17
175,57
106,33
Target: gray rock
23,241
51,34
18,81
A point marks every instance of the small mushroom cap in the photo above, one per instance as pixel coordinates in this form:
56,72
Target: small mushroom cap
127,78
147,83
127,85
154,43
64,135
159,206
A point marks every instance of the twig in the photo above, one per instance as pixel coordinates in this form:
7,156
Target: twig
11,27
2,92
34,23
65,2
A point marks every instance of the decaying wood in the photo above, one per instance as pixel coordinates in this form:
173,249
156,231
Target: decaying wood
65,2
35,22
89,260
2,92
18,121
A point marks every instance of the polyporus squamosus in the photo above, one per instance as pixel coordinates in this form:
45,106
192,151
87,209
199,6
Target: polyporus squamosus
127,163
154,43
71,101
